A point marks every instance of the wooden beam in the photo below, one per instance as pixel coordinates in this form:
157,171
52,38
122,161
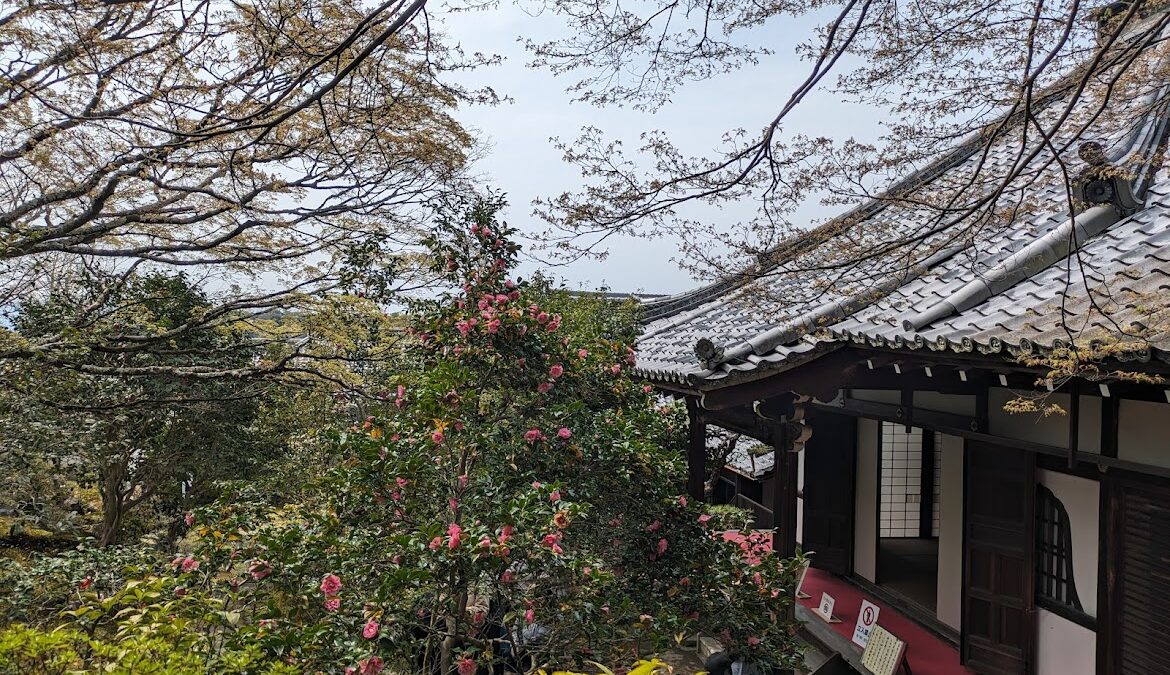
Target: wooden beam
696,451
820,377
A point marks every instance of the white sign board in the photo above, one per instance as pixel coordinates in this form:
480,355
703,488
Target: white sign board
825,609
866,620
799,593
885,654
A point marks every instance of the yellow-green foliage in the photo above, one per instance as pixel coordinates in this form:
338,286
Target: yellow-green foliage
31,651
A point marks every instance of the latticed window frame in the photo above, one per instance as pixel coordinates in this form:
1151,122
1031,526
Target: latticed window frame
1055,584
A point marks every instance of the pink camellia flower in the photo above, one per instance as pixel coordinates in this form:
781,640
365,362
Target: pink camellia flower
330,584
556,371
463,482
493,326
370,666
507,576
453,503
401,482
682,501
467,666
505,534
509,284
437,436
486,542
554,324
753,641
456,533
259,569
555,496
703,518
647,389
662,546
395,495
501,299
370,631
542,318
564,433
189,564
615,369
533,435
758,579
189,518
581,353
544,387
654,527
529,616
536,485
435,543
332,604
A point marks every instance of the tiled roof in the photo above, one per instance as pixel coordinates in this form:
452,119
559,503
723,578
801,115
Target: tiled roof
809,301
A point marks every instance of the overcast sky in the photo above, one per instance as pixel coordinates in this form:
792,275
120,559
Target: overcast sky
523,163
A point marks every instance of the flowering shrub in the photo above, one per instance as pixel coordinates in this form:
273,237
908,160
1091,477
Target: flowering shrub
513,500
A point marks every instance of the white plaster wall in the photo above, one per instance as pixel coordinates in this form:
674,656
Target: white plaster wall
800,520
949,403
800,500
878,395
1089,432
1081,498
864,518
1143,432
1063,647
950,535
1051,430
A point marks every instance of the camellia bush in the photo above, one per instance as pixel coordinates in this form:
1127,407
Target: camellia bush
515,503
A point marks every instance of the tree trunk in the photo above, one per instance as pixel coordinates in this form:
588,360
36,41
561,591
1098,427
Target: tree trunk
112,505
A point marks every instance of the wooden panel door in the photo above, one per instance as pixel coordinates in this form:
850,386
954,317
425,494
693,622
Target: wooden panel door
1143,585
998,616
829,468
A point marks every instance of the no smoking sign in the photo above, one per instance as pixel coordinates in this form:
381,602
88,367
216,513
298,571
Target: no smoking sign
866,620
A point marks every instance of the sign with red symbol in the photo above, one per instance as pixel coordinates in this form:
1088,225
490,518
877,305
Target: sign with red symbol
866,620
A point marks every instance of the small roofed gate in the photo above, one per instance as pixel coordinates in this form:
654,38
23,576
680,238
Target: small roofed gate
830,464
998,602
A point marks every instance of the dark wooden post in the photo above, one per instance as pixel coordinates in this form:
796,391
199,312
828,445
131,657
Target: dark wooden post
696,451
784,496
784,500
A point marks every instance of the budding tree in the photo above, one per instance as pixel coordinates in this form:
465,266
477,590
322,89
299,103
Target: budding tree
261,148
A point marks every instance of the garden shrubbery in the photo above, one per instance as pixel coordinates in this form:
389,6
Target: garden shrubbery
511,501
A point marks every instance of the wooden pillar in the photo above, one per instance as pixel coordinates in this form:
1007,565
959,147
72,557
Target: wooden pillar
784,501
696,451
784,495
